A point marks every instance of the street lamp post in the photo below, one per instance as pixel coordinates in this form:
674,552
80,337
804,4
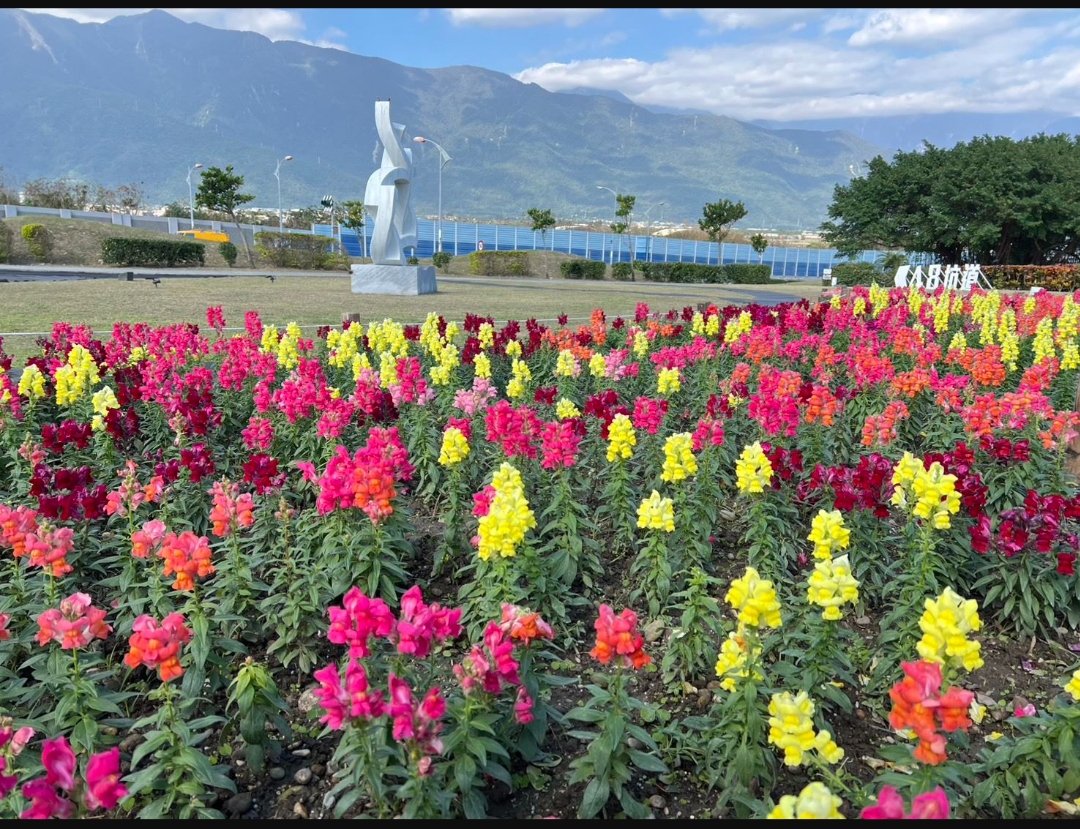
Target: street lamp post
277,175
648,225
614,216
444,158
190,199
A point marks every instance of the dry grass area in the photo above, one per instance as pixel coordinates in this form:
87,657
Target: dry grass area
310,299
30,308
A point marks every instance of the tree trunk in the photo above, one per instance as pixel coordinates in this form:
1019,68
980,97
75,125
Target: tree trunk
243,238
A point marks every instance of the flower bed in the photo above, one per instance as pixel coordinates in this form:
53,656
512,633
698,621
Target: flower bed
733,561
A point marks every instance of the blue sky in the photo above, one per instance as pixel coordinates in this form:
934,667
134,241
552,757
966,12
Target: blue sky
777,64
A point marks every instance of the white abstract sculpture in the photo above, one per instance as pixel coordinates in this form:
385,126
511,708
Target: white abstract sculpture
386,197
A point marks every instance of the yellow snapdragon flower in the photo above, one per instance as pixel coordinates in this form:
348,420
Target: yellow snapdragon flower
828,533
679,460
735,652
753,470
455,447
945,624
754,599
565,409
32,383
621,438
814,802
509,517
656,513
832,585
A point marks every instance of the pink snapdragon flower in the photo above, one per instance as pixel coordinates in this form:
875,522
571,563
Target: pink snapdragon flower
890,806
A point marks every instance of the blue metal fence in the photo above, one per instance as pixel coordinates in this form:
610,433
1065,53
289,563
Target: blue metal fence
462,238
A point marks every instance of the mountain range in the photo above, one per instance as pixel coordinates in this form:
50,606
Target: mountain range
141,98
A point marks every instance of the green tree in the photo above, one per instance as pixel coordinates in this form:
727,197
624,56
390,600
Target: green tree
759,243
993,200
623,222
219,190
718,217
542,220
352,217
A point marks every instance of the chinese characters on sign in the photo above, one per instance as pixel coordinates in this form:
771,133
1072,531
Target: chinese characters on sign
950,277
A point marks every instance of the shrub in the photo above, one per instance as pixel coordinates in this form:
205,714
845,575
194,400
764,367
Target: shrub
499,263
413,260
582,269
622,271
1022,277
39,240
857,273
153,253
441,260
294,250
228,252
692,273
6,237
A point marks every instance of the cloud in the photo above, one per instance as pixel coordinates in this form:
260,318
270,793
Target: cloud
276,24
520,18
801,79
921,26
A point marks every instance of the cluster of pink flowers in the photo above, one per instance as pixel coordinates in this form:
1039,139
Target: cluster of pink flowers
559,441
43,544
411,386
514,429
365,480
75,625
649,414
101,787
12,742
158,646
230,510
131,494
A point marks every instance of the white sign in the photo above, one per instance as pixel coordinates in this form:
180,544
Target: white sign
950,277
480,245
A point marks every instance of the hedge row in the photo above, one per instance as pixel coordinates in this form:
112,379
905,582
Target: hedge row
499,263
582,269
152,253
39,240
1023,277
688,272
295,250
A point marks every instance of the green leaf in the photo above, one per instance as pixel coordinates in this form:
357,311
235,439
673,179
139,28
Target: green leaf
594,798
648,762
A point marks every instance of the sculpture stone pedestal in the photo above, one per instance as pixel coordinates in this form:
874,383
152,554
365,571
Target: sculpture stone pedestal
398,280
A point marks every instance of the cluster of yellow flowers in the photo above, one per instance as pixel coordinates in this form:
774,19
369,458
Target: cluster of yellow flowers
566,410
509,516
915,298
481,364
656,513
388,335
1007,336
712,325
597,365
814,802
679,460
754,599
984,312
104,401
343,346
929,494
566,365
1042,344
455,447
388,373
486,335
828,533
945,624
513,349
791,729
522,374
76,376
621,438
879,299
441,347
858,307
753,470
668,381
32,383
735,652
831,585
641,343
448,358
742,324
